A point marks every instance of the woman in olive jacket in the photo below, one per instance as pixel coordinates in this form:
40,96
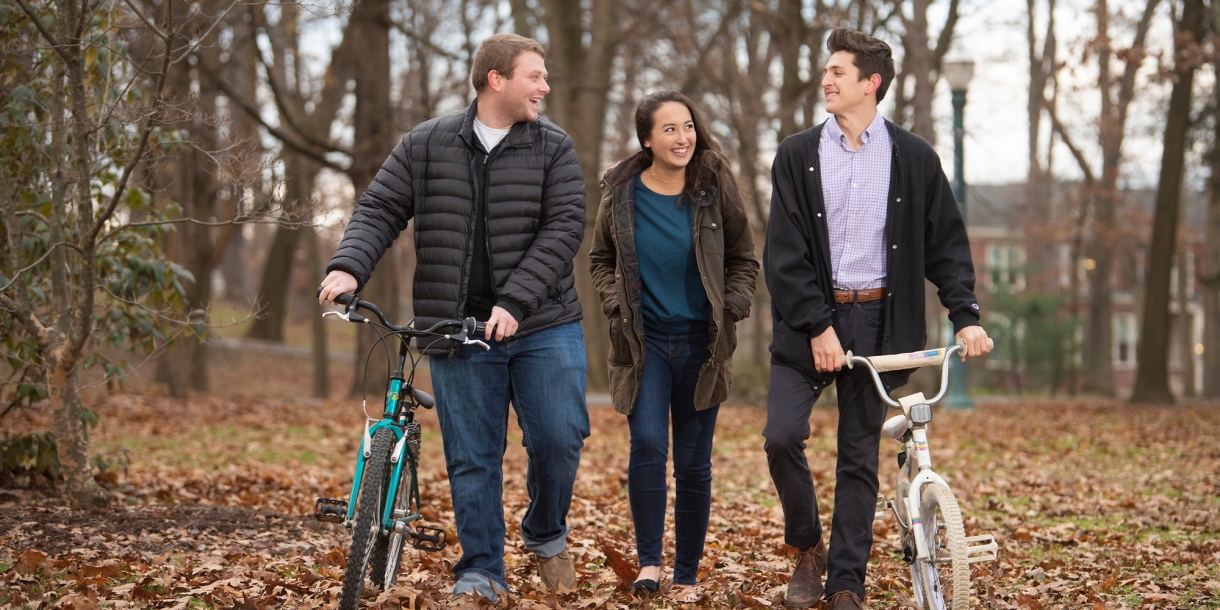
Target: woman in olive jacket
673,262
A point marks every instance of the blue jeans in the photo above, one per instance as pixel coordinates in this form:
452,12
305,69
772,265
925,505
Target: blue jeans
543,376
667,389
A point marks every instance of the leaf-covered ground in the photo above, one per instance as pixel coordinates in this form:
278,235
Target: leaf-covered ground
1095,505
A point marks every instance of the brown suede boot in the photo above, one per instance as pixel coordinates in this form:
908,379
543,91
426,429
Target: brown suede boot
845,600
558,573
805,588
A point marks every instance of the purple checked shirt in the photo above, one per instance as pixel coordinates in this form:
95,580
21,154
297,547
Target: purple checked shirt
855,188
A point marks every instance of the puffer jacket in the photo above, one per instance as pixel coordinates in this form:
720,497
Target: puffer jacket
535,219
724,251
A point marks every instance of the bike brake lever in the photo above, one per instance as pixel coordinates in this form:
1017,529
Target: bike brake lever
469,341
349,317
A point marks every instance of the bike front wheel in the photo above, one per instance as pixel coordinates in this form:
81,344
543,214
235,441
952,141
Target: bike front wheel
366,528
386,558
943,578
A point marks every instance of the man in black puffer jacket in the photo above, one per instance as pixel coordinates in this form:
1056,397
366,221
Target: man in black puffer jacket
498,200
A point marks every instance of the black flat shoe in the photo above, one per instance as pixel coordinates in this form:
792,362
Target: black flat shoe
646,586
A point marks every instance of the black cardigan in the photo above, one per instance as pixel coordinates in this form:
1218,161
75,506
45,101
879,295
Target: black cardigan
924,231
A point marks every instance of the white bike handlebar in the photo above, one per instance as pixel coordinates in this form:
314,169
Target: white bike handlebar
910,360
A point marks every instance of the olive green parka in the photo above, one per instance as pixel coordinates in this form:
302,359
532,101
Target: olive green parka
724,251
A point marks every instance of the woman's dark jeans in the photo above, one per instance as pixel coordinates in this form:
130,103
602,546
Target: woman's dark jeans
667,389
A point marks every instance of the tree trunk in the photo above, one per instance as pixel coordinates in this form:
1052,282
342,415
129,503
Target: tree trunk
277,273
1152,379
321,361
273,296
791,34
374,139
917,62
1099,338
580,78
71,438
1210,266
1186,343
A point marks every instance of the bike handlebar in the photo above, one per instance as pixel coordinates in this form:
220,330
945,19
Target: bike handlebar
910,360
468,327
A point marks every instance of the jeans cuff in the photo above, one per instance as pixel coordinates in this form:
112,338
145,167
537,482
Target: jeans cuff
546,548
481,581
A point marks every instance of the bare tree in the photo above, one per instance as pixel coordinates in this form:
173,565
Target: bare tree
1209,269
1152,379
1101,202
921,63
583,44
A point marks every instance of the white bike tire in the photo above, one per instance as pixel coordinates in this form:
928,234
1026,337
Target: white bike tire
944,584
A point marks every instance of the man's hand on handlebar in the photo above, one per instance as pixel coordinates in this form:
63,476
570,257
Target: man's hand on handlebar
501,323
827,351
976,341
336,283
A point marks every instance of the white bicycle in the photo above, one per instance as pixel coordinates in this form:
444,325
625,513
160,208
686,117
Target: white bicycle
934,542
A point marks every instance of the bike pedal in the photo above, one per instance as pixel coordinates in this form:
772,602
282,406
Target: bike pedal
981,548
882,508
425,541
331,511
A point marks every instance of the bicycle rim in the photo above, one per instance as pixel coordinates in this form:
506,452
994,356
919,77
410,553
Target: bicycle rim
367,526
945,575
387,552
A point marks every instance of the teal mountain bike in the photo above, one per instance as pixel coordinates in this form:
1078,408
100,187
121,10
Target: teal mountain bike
382,510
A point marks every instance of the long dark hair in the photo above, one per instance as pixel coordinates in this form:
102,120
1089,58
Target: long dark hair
707,158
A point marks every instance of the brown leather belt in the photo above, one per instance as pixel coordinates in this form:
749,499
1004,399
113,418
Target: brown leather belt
859,296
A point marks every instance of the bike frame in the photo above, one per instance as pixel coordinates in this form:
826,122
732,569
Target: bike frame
914,499
397,423
917,411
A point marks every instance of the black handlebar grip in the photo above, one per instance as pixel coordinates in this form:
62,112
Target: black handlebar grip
342,299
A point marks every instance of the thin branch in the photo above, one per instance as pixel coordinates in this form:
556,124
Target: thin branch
239,220
39,262
303,149
286,113
945,40
45,34
149,125
414,35
26,316
198,41
156,30
1067,141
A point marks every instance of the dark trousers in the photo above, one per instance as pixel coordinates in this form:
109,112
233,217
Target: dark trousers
667,393
790,398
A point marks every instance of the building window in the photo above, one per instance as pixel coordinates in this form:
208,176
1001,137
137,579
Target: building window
1124,340
1005,266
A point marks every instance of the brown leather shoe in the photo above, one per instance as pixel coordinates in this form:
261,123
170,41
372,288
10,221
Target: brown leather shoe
805,588
845,600
558,572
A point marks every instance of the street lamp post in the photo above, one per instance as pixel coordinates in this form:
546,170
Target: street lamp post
958,74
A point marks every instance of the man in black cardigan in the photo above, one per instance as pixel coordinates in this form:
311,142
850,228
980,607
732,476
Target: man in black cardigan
861,213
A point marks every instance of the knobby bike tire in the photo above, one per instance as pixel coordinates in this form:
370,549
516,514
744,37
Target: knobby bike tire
946,579
367,526
386,559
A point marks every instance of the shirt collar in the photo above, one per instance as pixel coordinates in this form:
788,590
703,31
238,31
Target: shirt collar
835,133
